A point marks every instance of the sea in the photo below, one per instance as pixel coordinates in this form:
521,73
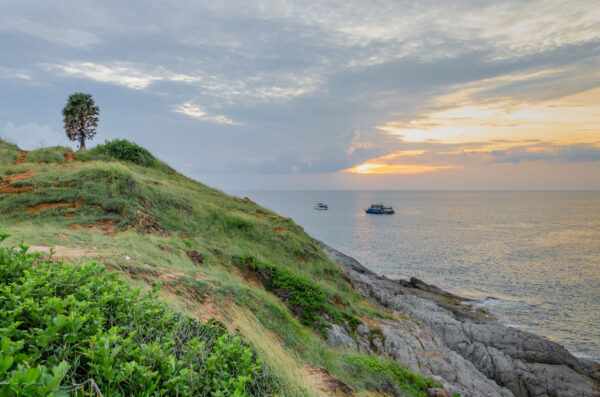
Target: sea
531,258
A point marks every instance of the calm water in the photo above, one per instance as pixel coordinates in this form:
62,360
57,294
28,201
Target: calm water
531,258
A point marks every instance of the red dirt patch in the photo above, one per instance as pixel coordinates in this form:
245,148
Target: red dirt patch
280,230
47,206
69,157
260,214
8,179
326,382
14,190
23,176
22,157
106,226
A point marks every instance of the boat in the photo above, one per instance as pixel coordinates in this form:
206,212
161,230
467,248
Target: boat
380,209
321,206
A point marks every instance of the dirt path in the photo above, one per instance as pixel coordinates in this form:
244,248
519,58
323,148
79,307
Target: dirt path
60,252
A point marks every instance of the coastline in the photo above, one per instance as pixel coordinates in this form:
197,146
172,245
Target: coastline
462,345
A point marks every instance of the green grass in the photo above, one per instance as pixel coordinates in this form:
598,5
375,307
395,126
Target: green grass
49,155
158,215
8,153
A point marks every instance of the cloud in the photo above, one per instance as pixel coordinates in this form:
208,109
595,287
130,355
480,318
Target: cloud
572,154
128,74
8,73
199,113
59,34
32,136
327,159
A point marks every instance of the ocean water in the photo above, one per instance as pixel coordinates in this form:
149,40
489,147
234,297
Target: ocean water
530,258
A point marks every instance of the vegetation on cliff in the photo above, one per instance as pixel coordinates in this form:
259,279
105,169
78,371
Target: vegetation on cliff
216,256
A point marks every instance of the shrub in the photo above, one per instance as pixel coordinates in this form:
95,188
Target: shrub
115,205
122,149
390,371
62,324
236,223
308,301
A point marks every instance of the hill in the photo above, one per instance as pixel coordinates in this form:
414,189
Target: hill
214,256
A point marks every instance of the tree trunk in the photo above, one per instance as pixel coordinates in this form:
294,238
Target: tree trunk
81,143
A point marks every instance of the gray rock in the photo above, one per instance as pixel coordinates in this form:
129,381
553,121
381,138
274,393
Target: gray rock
465,348
363,330
377,344
364,347
338,337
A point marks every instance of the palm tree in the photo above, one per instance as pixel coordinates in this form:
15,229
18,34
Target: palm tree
80,115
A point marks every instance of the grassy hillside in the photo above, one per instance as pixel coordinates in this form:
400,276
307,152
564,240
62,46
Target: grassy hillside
213,255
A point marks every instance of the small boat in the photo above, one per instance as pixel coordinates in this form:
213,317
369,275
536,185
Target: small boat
321,206
380,209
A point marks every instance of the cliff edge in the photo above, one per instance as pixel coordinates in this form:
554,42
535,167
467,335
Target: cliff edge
467,350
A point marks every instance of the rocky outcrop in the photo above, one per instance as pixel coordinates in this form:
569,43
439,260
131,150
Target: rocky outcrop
337,336
465,348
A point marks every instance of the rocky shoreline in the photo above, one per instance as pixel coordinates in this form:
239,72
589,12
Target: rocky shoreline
463,347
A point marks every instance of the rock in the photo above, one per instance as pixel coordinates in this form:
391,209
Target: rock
467,349
377,344
196,257
338,337
438,392
364,347
363,330
388,388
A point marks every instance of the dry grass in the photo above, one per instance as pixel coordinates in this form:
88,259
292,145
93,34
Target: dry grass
272,349
60,252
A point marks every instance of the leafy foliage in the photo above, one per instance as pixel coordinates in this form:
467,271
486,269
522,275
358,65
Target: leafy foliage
307,300
122,149
62,324
80,116
391,372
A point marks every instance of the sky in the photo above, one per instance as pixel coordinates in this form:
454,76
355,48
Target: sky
319,95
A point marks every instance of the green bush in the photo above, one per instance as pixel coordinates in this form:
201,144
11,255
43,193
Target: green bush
390,371
122,149
308,301
235,223
62,324
115,205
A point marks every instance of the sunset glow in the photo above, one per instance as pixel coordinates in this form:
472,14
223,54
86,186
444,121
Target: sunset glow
383,168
